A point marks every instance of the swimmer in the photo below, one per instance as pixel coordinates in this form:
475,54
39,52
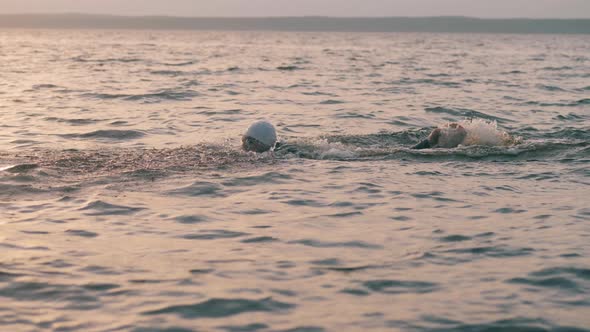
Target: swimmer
448,136
261,136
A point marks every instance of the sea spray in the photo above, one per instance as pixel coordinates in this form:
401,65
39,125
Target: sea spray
486,132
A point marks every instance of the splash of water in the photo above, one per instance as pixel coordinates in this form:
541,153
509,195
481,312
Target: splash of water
485,132
317,148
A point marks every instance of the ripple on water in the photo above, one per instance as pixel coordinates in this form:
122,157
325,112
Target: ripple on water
332,102
7,276
179,64
73,122
345,214
265,178
219,308
260,239
304,329
549,87
334,264
191,219
440,324
244,328
100,208
81,297
463,113
233,111
101,270
214,234
148,98
400,286
111,134
169,72
199,188
289,68
20,168
509,210
564,278
108,60
23,247
164,329
325,244
305,202
81,233
455,238
44,86
492,251
569,117
15,190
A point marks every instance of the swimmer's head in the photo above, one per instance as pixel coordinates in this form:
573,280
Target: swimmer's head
261,136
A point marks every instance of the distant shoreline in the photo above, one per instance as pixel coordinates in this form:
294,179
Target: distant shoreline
444,24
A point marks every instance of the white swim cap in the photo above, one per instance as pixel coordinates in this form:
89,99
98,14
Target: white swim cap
262,131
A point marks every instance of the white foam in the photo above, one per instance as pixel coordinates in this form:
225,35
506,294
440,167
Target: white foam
331,150
337,153
485,132
320,148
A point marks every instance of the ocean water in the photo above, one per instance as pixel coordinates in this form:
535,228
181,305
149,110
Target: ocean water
126,203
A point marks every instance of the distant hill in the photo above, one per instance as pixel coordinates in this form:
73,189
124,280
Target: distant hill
311,23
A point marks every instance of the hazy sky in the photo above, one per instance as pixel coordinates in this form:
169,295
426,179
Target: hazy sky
477,8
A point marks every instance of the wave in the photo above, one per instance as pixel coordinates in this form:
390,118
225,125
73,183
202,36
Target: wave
155,97
100,208
411,81
44,86
106,60
551,68
332,102
549,87
19,168
465,113
288,68
111,134
73,122
316,93
221,308
179,64
169,72
580,102
513,72
510,323
572,135
569,117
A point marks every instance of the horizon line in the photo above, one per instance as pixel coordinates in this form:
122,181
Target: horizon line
435,24
288,16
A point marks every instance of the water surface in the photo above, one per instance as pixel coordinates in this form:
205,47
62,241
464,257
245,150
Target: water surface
126,203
